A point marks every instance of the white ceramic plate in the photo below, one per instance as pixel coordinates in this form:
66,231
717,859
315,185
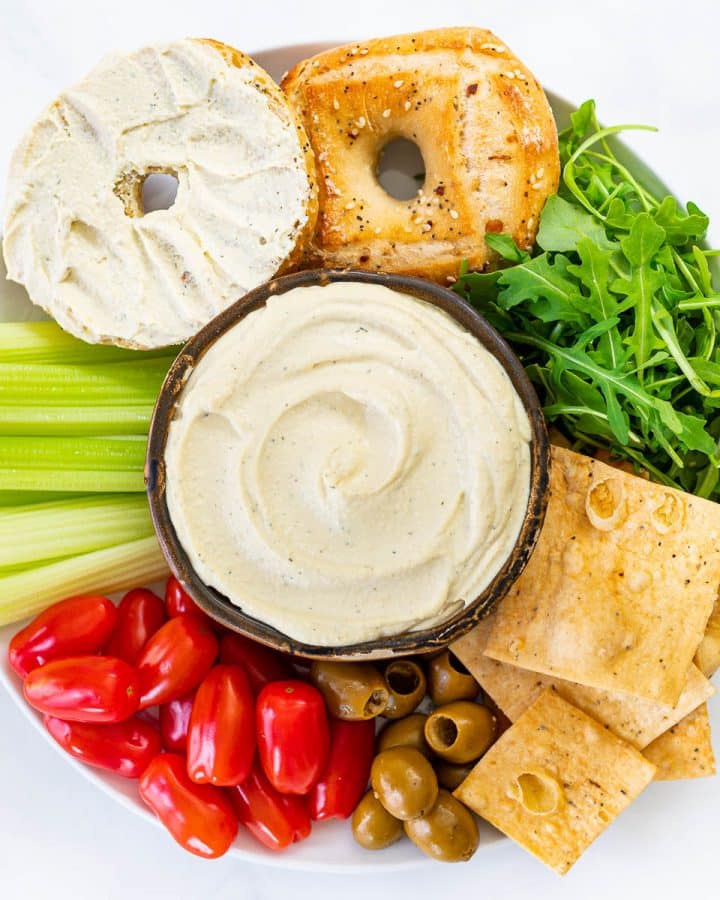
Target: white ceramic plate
331,847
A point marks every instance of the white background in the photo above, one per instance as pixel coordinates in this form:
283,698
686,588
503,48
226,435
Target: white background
654,62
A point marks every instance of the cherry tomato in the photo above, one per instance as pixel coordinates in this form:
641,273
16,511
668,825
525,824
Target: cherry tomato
261,663
346,773
175,659
276,820
221,734
84,689
178,602
125,748
200,817
292,735
72,627
174,720
140,614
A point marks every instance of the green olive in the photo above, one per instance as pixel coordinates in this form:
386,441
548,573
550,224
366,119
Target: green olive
372,825
406,685
449,680
452,775
404,782
448,832
460,732
352,691
407,732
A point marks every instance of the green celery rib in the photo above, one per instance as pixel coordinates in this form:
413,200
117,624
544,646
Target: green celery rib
74,420
63,528
126,453
111,569
46,342
25,498
123,383
105,465
72,480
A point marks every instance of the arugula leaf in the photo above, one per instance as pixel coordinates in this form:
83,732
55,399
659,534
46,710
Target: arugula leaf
580,123
544,286
639,248
564,224
505,246
593,273
616,316
678,226
645,239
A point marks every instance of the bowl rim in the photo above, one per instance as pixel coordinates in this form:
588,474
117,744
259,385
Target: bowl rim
219,607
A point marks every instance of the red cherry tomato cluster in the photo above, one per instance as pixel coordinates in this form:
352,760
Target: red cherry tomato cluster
239,738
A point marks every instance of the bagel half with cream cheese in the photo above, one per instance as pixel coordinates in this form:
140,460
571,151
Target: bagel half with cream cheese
484,128
75,232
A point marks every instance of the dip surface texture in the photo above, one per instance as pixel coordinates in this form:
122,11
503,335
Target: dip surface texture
348,463
74,232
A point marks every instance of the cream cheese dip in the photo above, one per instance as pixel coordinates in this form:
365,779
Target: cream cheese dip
348,463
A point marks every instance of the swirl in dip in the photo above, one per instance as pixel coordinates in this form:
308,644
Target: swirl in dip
348,463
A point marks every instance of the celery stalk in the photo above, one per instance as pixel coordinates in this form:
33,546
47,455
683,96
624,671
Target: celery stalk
71,480
73,425
75,420
46,342
90,464
64,528
25,498
67,385
111,569
125,453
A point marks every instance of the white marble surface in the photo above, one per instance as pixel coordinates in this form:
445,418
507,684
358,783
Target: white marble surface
645,61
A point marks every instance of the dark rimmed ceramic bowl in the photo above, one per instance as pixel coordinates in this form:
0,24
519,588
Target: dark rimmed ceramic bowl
406,643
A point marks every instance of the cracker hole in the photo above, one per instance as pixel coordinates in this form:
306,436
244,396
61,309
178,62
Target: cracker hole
401,169
605,504
538,793
159,190
669,514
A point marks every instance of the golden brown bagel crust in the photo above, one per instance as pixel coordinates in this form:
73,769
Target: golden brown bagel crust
482,123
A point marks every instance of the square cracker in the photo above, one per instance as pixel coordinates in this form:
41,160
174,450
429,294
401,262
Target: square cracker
620,586
634,719
707,658
685,751
555,780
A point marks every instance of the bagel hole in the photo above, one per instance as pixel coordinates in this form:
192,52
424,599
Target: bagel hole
444,731
402,678
401,169
159,190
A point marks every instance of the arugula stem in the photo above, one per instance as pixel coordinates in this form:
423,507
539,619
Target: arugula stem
692,303
680,263
647,199
555,410
569,169
596,372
